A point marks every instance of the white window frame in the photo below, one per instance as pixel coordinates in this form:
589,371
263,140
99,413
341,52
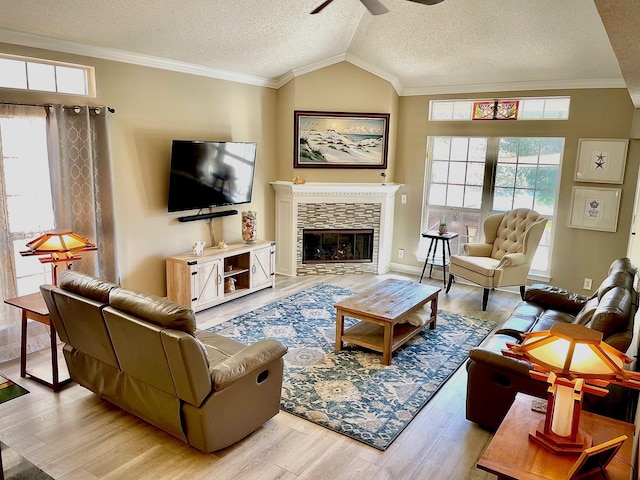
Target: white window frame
462,109
486,208
87,71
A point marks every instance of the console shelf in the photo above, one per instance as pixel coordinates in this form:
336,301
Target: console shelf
198,282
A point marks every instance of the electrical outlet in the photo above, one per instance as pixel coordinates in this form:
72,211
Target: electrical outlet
587,284
401,253
403,198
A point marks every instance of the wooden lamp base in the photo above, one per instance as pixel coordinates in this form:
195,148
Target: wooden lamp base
557,444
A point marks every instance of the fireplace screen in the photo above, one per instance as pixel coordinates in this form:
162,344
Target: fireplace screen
337,246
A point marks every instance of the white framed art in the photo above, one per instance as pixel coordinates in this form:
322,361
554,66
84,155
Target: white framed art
601,160
594,208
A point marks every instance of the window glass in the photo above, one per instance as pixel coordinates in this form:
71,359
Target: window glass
526,172
41,77
13,74
545,108
71,80
28,200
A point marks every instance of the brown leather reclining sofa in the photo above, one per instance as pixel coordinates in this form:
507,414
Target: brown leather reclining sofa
144,354
494,380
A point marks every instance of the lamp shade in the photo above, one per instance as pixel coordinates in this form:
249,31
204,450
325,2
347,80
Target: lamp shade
55,241
573,351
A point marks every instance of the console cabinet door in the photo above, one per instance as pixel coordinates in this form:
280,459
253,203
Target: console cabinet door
262,271
206,284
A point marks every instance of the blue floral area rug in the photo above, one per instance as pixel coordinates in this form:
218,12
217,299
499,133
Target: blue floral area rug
352,392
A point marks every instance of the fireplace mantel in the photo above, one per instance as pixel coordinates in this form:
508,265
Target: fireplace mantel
290,196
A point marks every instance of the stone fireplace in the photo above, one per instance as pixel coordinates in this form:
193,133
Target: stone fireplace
336,245
348,209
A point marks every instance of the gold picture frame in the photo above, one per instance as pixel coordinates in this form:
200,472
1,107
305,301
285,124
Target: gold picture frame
340,140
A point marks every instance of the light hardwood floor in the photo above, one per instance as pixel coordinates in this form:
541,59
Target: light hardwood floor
75,435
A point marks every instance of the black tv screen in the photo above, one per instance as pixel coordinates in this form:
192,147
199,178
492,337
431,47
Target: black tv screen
210,174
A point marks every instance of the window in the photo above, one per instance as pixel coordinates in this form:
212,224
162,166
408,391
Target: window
34,74
469,178
27,192
547,108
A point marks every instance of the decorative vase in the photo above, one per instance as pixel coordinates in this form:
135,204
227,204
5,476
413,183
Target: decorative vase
249,226
230,285
442,229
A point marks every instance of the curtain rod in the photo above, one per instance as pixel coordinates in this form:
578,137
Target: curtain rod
44,105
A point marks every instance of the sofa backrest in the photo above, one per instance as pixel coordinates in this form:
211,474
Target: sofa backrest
154,343
611,309
76,308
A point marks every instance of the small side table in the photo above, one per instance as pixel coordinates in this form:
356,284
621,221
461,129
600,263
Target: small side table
431,259
34,308
511,454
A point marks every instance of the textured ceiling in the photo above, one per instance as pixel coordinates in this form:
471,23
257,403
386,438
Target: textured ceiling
455,46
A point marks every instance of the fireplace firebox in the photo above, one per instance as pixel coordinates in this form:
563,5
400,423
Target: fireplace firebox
337,246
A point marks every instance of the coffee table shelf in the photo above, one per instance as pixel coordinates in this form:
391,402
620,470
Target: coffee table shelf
382,310
371,336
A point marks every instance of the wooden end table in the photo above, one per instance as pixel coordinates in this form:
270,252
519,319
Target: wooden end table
512,455
381,309
34,308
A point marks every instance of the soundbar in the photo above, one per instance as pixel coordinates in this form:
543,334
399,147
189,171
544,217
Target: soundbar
202,216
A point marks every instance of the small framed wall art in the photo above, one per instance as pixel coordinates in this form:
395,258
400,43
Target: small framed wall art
601,160
340,140
595,208
593,461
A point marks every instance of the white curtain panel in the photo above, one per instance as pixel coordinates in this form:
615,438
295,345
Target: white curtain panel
79,147
10,316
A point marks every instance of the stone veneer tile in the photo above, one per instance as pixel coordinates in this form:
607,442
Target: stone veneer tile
338,216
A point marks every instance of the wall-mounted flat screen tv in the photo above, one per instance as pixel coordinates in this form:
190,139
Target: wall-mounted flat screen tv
210,174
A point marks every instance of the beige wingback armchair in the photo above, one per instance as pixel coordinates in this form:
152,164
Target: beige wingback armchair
510,241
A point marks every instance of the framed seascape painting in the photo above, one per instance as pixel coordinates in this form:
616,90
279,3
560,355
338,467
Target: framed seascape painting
340,140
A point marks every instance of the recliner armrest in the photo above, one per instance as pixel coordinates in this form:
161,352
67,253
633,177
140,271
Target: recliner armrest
550,297
246,361
499,361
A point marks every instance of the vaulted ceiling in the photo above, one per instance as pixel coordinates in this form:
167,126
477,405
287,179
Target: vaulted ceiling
457,46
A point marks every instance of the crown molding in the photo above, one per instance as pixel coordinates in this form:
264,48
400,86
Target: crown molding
515,86
48,43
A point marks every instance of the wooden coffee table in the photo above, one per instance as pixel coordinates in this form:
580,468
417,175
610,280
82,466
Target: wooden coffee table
382,309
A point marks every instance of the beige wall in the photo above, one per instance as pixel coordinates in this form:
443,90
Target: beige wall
155,106
339,88
152,108
603,113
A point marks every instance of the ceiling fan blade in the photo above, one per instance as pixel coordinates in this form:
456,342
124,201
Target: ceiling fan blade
319,8
375,7
427,2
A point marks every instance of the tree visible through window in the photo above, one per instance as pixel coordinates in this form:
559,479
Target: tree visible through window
469,178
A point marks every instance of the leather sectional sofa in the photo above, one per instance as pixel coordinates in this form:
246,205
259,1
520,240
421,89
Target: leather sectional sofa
494,380
144,354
